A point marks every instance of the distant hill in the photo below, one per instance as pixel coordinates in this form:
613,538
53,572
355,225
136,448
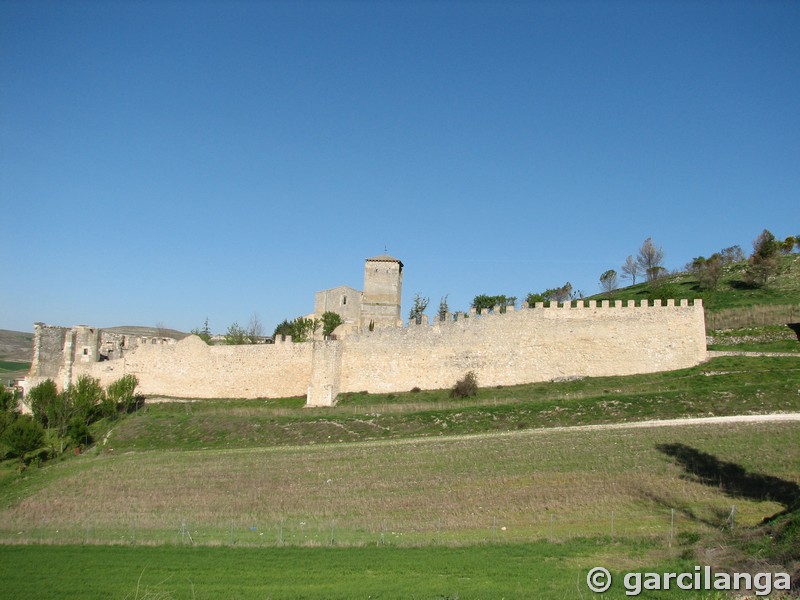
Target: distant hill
147,331
16,346
16,354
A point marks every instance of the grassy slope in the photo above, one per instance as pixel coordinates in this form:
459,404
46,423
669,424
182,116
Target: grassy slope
723,386
732,292
533,483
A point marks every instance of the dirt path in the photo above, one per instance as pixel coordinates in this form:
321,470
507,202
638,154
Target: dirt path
690,421
680,422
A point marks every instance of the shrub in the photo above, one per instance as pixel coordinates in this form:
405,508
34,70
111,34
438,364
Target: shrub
121,394
23,435
465,387
79,433
415,390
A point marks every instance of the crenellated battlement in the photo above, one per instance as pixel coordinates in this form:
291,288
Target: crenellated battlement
502,346
581,308
539,343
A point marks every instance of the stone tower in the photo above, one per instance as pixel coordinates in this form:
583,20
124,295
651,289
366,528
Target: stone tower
383,286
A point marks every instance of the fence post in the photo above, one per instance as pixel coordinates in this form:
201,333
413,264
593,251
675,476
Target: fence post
671,526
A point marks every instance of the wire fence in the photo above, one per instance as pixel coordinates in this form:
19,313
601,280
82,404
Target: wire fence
752,316
668,526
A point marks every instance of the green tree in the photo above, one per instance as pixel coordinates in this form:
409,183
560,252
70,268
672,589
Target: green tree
236,335
707,270
763,262
484,302
204,333
608,281
121,394
78,431
8,399
23,435
41,399
60,413
559,294
283,329
330,321
8,407
443,308
87,395
420,304
534,297
303,329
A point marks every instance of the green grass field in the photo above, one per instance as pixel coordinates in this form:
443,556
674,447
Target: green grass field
756,339
13,365
411,495
539,570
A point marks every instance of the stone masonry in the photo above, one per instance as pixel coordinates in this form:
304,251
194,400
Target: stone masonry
527,345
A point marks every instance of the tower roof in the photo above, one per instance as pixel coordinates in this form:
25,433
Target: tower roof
385,258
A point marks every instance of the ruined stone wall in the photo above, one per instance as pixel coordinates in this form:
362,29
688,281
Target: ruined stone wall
48,349
193,369
529,345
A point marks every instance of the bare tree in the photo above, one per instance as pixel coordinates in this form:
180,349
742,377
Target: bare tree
631,269
650,259
255,329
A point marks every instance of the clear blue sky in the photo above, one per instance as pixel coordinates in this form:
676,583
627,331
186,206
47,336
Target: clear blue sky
164,162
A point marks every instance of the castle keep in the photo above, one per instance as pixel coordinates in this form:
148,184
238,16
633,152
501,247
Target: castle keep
377,307
373,351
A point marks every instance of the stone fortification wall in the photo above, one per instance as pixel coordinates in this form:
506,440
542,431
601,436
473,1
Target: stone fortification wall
193,369
529,345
